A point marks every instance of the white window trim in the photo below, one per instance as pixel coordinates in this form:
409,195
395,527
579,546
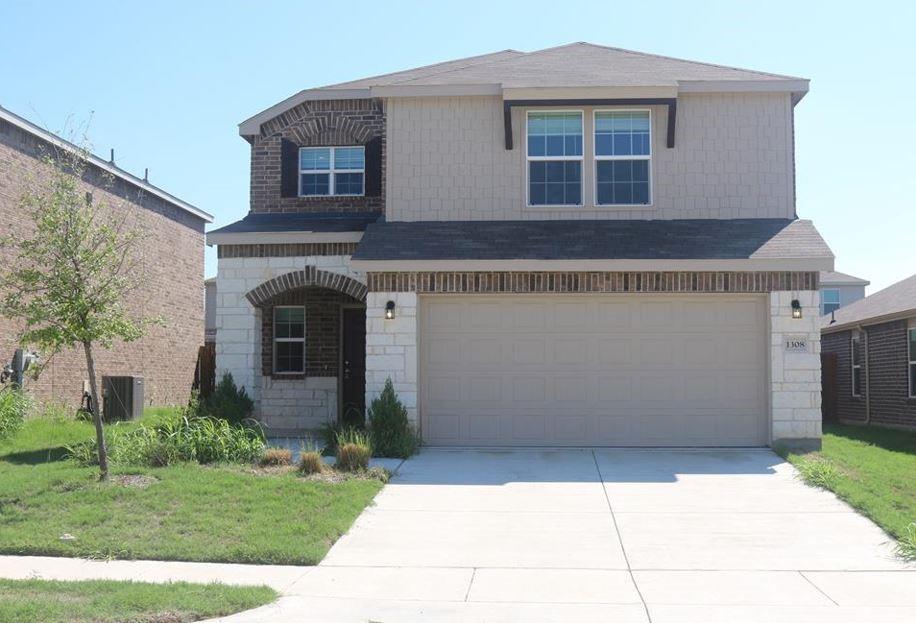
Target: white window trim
824,311
529,159
288,339
331,171
854,337
596,158
911,358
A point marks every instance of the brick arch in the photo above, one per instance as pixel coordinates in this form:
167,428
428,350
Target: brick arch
311,276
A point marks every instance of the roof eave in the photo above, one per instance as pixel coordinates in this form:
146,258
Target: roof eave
867,322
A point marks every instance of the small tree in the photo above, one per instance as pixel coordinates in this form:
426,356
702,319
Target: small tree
73,273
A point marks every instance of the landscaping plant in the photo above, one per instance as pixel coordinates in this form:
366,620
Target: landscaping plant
311,462
14,405
72,277
228,402
354,449
274,457
392,433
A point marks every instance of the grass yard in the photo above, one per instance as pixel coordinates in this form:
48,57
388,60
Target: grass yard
872,469
222,513
102,601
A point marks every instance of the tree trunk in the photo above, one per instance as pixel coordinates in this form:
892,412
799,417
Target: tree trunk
96,413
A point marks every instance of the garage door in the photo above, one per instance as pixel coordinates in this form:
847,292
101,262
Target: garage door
610,370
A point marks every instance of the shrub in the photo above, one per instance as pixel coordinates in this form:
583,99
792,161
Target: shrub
14,406
276,456
311,462
353,450
392,434
227,402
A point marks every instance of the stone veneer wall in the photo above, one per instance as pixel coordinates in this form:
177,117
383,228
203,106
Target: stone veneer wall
391,348
795,377
284,403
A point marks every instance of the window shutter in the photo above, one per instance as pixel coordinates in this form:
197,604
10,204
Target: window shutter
374,167
289,168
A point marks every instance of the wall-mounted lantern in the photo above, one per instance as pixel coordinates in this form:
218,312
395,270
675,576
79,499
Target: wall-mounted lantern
389,310
796,309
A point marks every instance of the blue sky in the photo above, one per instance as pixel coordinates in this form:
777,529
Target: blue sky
166,83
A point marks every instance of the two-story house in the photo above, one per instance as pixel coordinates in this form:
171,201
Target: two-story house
839,290
578,246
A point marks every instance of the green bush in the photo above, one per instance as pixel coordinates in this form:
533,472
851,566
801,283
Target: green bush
353,450
179,438
227,402
14,406
819,472
392,434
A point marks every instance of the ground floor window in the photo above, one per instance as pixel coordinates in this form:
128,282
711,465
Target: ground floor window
912,360
289,339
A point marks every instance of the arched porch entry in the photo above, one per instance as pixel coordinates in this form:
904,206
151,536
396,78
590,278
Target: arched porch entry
313,349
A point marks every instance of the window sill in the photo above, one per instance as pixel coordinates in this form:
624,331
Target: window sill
580,207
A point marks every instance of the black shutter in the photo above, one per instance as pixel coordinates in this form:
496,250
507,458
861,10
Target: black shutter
289,168
374,167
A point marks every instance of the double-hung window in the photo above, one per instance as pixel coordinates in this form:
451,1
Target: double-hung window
830,301
911,350
554,158
327,171
289,339
856,356
623,155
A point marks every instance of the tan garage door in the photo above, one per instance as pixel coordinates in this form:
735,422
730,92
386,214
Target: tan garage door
640,370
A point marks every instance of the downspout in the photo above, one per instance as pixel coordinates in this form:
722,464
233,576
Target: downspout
864,334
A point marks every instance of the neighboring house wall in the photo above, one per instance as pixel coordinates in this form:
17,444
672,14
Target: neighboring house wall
170,252
313,124
848,294
446,160
887,370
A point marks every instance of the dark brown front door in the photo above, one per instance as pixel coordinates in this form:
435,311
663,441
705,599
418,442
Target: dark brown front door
353,365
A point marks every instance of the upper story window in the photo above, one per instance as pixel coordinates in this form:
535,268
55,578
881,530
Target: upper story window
911,350
856,356
554,152
623,154
289,339
830,301
325,171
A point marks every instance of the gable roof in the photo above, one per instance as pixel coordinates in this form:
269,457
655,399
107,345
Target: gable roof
109,167
836,278
573,66
898,300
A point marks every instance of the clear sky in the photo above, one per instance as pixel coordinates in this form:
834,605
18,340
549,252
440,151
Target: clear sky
166,83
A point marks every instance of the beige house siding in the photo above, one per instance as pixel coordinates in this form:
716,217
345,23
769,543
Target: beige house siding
733,159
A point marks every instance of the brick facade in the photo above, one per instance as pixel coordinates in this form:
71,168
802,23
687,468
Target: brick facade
285,250
313,124
584,282
322,330
887,371
171,260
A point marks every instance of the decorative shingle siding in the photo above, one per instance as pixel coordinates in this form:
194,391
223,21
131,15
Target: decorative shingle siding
170,256
733,159
322,330
314,124
887,376
492,282
303,249
310,276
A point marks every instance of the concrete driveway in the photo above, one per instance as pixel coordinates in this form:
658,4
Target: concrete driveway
620,535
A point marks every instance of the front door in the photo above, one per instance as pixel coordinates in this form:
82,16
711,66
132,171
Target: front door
353,365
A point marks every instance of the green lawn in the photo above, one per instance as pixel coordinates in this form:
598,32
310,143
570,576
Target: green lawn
874,470
102,601
187,512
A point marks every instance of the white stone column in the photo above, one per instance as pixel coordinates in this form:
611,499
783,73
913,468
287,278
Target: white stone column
391,348
238,328
795,372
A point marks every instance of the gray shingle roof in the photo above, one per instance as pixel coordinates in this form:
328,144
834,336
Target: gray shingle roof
580,239
574,64
837,278
260,222
899,298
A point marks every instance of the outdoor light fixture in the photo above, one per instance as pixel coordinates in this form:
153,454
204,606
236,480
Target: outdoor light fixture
796,309
389,310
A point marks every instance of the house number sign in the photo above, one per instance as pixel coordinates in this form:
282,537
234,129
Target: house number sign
796,344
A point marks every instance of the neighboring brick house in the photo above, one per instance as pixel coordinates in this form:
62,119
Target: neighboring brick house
576,246
873,342
839,290
171,258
